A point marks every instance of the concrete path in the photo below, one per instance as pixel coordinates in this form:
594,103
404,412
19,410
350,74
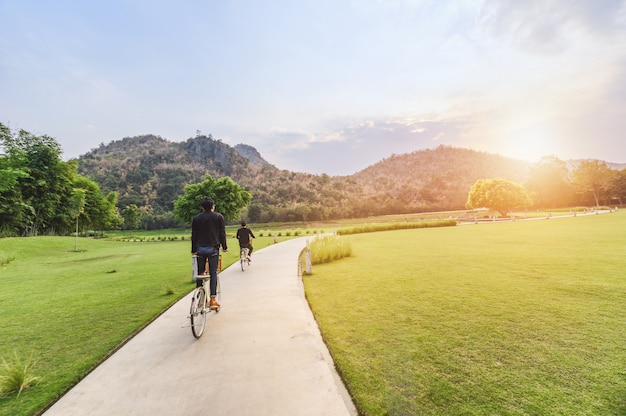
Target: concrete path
262,354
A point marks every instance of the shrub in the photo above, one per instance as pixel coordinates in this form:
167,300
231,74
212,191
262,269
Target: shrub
370,228
329,248
4,259
16,376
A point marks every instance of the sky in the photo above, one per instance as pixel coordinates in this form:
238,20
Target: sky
321,86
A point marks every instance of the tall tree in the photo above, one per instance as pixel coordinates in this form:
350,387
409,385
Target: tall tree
132,217
48,182
617,187
38,189
593,177
77,207
549,183
498,194
230,198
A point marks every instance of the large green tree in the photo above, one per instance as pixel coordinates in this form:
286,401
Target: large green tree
132,217
230,198
46,188
38,191
500,195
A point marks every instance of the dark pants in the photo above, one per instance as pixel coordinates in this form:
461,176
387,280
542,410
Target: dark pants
213,262
248,246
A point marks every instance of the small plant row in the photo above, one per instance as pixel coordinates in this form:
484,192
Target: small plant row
370,228
286,233
149,239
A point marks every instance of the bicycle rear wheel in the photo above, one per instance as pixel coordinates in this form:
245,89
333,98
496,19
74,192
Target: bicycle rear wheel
197,313
243,259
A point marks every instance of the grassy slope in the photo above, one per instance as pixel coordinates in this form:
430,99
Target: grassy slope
517,318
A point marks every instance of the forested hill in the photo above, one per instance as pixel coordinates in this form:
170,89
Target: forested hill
151,172
437,179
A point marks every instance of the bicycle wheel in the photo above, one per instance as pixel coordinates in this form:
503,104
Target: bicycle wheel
243,258
197,314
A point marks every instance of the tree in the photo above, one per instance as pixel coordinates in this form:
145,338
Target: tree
13,210
618,186
593,176
230,198
132,217
77,207
46,188
500,195
549,183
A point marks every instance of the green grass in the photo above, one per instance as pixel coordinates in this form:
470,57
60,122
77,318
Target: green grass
499,319
67,310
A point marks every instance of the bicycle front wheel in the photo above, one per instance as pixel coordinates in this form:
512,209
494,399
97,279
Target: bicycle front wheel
198,312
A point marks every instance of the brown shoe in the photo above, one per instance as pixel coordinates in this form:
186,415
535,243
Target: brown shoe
213,304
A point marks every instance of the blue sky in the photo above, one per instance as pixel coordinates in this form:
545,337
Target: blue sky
323,86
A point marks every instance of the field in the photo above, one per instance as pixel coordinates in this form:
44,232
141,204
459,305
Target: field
507,319
503,318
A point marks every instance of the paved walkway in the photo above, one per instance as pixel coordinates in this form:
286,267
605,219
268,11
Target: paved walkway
262,354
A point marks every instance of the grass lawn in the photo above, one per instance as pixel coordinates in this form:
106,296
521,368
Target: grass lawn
488,319
64,310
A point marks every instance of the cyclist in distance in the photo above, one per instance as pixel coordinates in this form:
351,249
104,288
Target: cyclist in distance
244,234
208,232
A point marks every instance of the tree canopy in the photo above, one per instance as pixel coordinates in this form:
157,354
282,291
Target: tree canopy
498,194
594,177
230,198
40,193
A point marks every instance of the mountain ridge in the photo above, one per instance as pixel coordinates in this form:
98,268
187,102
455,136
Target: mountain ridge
151,172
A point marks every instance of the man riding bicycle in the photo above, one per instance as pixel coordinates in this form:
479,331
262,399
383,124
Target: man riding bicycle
208,233
244,235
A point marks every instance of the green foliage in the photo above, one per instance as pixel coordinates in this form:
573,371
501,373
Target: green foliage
38,190
132,217
230,198
498,194
16,375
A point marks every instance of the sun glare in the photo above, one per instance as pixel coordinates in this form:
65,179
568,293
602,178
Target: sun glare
529,142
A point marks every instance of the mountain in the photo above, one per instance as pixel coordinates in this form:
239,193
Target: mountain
439,178
151,172
251,154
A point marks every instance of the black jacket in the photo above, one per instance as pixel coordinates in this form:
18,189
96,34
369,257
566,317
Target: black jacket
208,229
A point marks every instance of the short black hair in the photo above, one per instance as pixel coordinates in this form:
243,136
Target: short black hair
207,204
243,223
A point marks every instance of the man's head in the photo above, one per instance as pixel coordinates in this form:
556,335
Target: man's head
243,223
208,204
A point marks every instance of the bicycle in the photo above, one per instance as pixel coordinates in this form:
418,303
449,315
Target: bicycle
199,308
244,258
